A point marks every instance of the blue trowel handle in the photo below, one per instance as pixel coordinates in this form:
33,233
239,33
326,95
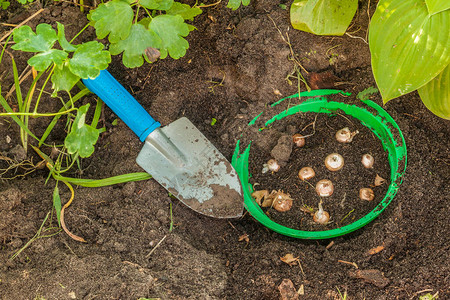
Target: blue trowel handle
122,103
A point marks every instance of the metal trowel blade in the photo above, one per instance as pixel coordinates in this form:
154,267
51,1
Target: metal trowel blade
188,165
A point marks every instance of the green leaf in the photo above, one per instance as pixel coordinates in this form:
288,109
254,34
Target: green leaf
63,79
408,47
133,47
171,30
235,4
184,10
113,18
436,94
4,4
365,94
89,59
62,39
57,204
28,41
42,61
323,17
436,6
82,137
157,4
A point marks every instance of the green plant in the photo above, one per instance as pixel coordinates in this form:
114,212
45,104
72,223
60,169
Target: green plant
158,33
81,137
4,4
409,42
429,296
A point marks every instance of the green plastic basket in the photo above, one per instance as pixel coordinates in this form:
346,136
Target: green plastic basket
379,122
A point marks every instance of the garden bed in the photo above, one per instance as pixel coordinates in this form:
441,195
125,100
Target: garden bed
237,64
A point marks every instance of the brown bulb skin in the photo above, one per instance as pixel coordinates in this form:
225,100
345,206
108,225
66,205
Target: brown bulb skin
298,140
306,173
366,194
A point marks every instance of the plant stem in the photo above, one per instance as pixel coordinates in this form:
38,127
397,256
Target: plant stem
43,87
15,114
84,28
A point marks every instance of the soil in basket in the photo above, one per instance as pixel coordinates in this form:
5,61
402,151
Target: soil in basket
344,205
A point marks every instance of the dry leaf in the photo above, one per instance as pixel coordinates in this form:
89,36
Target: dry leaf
289,259
244,237
375,277
152,54
287,290
379,180
268,200
259,195
375,250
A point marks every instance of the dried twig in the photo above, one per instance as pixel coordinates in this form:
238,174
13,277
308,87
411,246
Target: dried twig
154,248
22,23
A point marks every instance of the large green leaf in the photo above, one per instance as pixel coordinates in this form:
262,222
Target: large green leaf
113,18
42,60
89,59
28,41
134,45
63,79
436,94
82,137
323,17
171,30
408,46
436,6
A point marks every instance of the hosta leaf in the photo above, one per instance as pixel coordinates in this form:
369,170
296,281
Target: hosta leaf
157,4
436,94
171,30
184,10
235,4
133,47
28,41
82,137
408,47
113,18
323,17
436,6
62,39
89,59
63,79
42,60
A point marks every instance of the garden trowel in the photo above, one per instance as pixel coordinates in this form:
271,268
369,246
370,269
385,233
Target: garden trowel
178,155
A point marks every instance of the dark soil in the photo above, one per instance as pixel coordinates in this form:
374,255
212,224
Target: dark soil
236,65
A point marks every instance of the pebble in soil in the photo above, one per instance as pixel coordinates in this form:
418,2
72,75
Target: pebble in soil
344,205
